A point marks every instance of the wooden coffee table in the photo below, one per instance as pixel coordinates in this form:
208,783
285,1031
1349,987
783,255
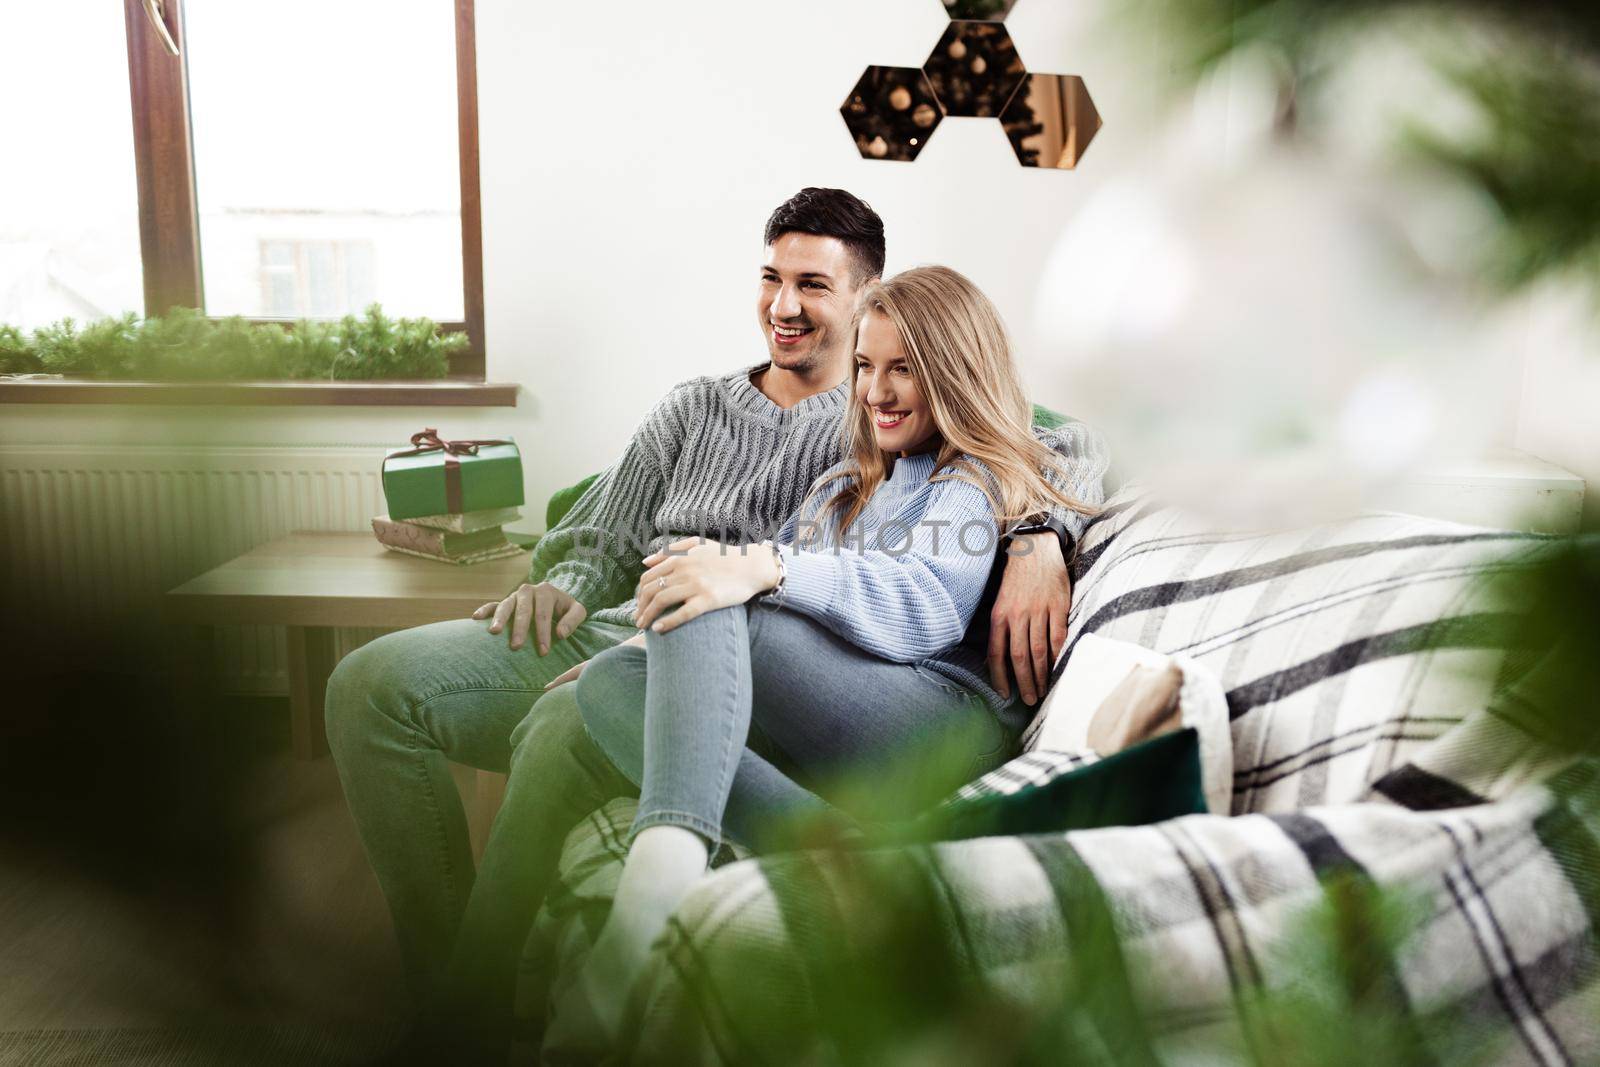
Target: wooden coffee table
313,581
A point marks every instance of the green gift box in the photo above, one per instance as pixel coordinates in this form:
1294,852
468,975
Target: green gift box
438,477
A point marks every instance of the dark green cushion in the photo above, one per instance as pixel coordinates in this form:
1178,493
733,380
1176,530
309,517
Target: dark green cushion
561,500
1153,781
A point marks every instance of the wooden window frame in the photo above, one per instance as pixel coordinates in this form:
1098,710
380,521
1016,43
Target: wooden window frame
169,222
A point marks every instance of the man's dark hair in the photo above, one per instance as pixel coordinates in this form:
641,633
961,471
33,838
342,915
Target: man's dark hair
833,213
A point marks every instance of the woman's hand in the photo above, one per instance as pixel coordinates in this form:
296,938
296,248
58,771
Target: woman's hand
696,575
571,673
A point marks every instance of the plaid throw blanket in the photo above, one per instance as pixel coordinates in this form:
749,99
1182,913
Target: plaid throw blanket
1378,690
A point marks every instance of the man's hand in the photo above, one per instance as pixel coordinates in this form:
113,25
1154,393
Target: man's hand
1028,625
538,604
697,575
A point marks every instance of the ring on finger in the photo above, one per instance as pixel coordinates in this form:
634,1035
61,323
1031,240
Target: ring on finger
661,583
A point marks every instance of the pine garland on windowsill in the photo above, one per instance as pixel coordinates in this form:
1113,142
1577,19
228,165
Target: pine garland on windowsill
185,346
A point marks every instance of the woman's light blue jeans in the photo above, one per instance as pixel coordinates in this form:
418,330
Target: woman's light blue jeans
795,723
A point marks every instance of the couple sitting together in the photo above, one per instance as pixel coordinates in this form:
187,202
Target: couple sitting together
910,606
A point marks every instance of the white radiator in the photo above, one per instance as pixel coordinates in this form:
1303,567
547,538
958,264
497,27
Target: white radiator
93,536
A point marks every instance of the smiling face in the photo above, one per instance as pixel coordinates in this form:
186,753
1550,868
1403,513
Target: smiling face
901,419
807,301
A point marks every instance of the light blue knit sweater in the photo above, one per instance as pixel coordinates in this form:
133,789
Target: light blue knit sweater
717,458
906,579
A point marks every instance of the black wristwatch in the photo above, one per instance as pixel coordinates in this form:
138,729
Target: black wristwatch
1044,522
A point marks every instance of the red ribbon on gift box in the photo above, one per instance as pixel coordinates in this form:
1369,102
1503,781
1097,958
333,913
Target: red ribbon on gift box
430,441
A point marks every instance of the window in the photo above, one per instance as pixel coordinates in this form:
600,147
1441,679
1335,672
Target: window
314,279
330,124
69,205
299,159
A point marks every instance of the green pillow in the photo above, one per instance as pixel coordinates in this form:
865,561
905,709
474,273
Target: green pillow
1151,782
1046,419
561,500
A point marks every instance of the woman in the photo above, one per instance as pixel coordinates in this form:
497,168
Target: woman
847,664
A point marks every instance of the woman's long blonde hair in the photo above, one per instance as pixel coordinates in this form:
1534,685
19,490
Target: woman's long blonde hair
959,354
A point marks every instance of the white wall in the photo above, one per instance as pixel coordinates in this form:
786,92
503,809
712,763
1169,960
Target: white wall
623,223
631,151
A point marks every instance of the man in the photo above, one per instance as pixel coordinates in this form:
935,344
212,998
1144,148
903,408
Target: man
728,457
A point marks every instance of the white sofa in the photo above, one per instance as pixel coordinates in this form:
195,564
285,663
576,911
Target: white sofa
1374,674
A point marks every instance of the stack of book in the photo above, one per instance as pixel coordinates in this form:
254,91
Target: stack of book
468,537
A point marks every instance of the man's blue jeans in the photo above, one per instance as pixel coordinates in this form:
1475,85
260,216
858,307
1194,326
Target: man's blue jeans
398,709
773,709
825,715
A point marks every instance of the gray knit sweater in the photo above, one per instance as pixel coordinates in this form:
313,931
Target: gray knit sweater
715,457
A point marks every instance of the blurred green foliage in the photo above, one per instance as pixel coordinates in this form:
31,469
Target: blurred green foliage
1206,31
895,983
185,345
1537,157
1346,1004
897,978
1532,79
1558,684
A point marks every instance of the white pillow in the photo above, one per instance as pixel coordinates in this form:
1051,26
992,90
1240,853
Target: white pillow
1113,694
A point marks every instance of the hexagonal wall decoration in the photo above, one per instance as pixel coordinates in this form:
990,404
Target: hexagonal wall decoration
1050,120
973,72
992,10
974,68
891,113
